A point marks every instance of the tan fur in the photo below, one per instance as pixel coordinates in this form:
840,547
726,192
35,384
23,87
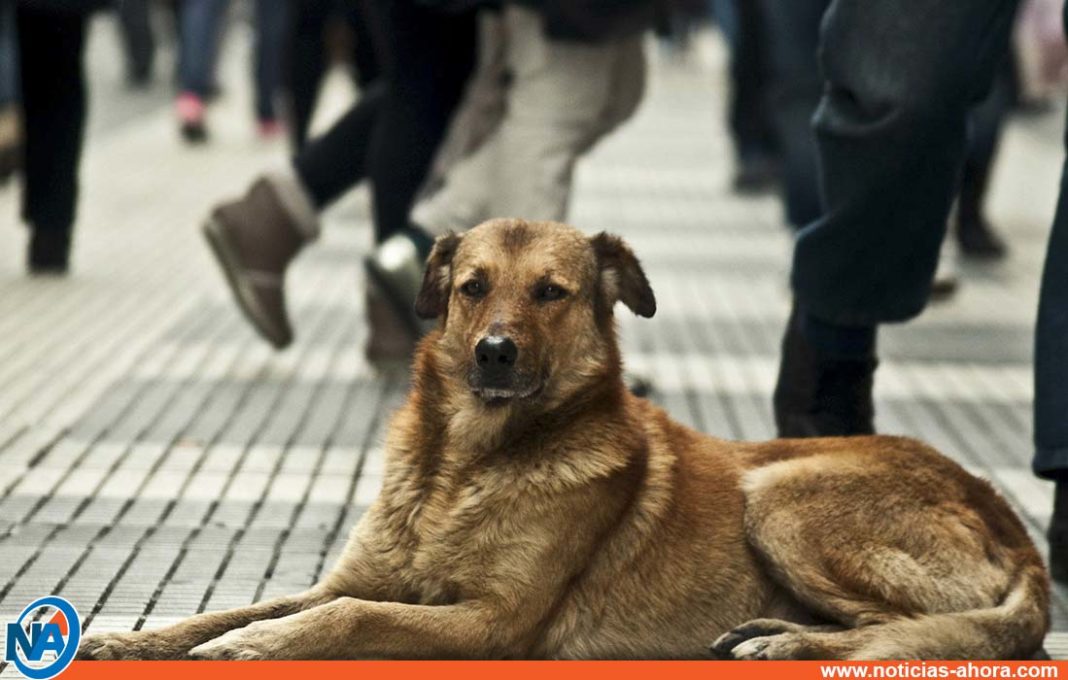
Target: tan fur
582,522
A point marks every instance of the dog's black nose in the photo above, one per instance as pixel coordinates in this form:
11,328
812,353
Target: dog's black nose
496,352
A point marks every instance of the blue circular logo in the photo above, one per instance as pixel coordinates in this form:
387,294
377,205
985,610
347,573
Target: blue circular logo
44,648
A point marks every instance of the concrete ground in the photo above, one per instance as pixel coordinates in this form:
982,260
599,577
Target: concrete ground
157,459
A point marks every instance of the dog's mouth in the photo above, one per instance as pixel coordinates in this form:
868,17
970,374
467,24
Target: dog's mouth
499,396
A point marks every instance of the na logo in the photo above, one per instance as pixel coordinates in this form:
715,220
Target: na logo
44,639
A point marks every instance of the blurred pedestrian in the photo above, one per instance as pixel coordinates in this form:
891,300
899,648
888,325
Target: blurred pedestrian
901,77
1051,349
308,55
201,24
139,43
51,39
975,235
10,133
756,145
797,87
389,137
576,72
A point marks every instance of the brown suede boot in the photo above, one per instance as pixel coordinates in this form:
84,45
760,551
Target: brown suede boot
254,239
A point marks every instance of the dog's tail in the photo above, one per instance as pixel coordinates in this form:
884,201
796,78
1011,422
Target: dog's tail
1014,629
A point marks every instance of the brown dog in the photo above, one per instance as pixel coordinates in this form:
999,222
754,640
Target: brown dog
533,508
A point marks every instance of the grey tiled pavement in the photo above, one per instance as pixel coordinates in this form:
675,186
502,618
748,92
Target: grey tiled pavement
156,459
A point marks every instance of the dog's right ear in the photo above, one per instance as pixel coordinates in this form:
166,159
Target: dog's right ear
433,298
622,277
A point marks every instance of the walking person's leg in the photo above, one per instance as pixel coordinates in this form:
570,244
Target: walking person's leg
565,97
10,135
51,50
1051,383
749,118
257,236
794,90
136,24
974,233
427,62
305,63
901,76
1051,379
429,58
272,22
562,99
200,26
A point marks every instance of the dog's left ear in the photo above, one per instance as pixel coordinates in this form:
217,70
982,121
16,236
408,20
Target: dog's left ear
433,298
622,277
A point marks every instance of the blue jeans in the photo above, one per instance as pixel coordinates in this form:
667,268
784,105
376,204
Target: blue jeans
1051,348
200,27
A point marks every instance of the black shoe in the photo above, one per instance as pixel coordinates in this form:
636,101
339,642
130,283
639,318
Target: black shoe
978,240
1058,534
818,396
49,252
757,174
194,132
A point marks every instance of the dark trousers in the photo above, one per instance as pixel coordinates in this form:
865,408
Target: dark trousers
984,136
795,86
137,37
891,127
271,26
748,114
392,133
51,47
307,58
336,161
1051,347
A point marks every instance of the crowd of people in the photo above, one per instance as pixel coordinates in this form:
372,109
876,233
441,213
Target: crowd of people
878,123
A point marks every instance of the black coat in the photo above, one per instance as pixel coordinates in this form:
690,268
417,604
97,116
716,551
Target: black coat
69,6
587,21
594,21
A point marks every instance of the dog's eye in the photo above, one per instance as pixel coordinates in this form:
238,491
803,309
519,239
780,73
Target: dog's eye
473,288
550,292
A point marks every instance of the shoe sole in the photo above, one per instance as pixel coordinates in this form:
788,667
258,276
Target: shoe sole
243,291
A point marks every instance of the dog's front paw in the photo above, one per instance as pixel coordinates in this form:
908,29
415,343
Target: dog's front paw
134,645
774,648
253,642
723,647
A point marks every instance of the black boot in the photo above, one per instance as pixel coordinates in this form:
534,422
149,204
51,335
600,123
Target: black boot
49,252
977,239
821,396
1058,533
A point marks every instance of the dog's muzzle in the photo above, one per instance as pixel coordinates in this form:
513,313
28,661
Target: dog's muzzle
495,377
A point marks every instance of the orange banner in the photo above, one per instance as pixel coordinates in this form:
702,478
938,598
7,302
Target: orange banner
559,670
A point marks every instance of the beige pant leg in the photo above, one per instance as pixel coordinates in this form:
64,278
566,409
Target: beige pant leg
482,109
563,98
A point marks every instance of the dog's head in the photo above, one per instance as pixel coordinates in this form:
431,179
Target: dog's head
526,310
